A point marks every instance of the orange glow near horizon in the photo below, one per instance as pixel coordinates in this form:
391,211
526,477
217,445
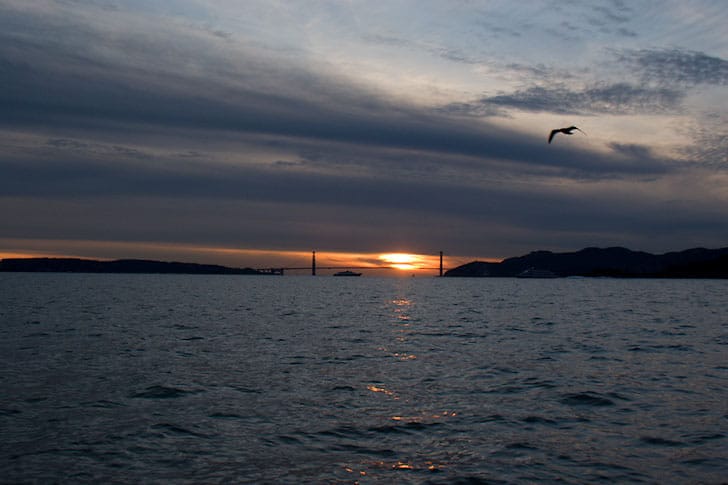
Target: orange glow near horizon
19,255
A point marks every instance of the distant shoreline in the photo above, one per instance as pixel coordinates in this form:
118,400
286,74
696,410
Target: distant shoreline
615,262
121,266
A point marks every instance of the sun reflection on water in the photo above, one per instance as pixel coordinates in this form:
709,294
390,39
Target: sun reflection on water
382,390
401,309
425,418
381,465
412,417
404,356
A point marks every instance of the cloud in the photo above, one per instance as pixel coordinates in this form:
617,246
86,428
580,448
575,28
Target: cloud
710,142
132,128
541,73
96,149
264,209
56,85
632,150
619,98
335,174
676,66
606,17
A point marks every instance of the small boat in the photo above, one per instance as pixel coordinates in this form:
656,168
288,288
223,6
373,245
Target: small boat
537,273
347,273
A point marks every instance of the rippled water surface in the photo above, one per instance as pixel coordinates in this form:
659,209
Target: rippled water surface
147,378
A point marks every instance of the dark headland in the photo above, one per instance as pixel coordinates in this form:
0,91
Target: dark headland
74,265
611,262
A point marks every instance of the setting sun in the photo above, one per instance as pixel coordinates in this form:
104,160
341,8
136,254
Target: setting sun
403,261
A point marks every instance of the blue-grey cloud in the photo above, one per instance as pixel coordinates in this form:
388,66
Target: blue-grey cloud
95,149
618,98
48,85
541,73
606,17
632,150
586,20
676,66
710,142
619,15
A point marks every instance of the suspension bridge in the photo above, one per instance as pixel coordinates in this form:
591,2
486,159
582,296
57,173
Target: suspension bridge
313,267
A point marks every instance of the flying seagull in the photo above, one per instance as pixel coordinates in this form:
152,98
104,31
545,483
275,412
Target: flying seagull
565,131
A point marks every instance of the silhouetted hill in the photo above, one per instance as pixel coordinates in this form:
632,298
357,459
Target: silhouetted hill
618,262
73,265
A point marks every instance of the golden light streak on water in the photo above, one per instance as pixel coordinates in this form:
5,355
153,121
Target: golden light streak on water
382,390
404,356
424,418
400,465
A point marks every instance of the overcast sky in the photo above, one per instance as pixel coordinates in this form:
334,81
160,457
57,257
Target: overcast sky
361,126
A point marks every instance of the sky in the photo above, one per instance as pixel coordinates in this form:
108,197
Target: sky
250,133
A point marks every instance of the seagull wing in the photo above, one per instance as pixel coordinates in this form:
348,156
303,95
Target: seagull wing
553,133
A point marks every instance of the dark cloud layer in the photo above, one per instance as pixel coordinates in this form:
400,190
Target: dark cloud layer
240,206
83,175
109,135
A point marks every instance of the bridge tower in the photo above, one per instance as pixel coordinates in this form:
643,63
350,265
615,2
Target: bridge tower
313,263
440,263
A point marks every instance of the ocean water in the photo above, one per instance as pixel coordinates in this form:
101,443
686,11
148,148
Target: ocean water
245,379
